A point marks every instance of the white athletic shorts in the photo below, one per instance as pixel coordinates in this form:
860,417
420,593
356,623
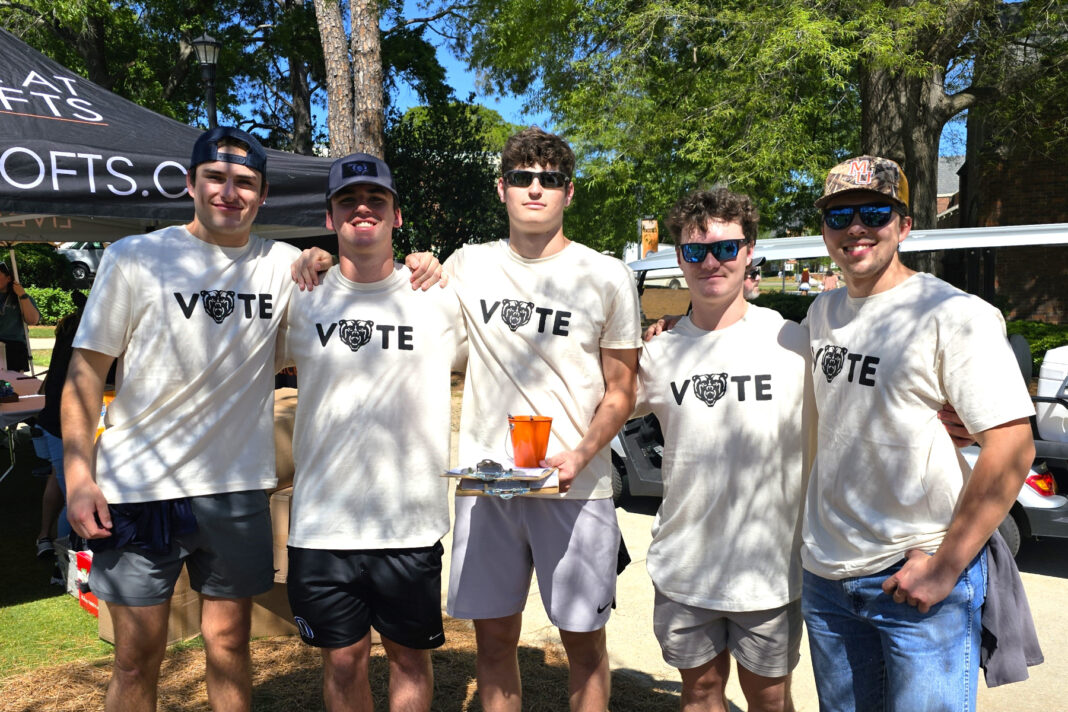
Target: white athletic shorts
767,643
572,544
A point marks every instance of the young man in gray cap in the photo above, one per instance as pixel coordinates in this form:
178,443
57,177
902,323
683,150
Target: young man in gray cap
371,441
895,525
178,477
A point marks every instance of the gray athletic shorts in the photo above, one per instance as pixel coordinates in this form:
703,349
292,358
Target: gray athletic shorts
572,544
766,643
231,555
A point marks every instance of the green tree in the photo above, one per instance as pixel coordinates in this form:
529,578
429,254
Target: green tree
762,97
446,174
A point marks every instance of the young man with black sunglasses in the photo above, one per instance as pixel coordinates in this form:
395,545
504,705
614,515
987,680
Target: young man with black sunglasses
728,384
554,330
895,528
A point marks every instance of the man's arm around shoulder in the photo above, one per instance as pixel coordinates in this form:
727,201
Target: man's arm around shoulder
1006,453
87,509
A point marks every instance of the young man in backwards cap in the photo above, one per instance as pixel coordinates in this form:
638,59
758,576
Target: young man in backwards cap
895,529
370,443
192,313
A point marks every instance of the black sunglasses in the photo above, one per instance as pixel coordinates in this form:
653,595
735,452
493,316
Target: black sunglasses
754,274
547,179
722,250
871,215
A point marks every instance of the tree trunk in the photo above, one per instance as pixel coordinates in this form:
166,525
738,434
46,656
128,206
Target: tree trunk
338,78
368,114
902,118
301,99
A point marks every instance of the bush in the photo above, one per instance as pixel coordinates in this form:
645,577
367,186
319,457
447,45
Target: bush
40,265
52,302
791,306
1042,337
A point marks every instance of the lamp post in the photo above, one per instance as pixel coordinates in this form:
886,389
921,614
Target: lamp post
207,49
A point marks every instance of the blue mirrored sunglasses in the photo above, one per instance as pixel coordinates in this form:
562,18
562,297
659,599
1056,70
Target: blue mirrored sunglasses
723,250
871,215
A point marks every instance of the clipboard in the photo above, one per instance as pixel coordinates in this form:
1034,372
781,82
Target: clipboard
491,479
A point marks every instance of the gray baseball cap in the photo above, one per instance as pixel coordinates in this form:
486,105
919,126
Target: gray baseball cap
359,168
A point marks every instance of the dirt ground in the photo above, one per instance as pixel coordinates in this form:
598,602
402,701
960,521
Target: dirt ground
658,301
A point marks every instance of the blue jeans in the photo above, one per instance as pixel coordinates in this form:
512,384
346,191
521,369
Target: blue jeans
49,447
872,654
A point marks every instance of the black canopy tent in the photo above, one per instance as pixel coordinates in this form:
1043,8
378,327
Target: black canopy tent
78,161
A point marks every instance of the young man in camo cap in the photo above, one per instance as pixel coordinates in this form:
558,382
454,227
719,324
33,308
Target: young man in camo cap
895,528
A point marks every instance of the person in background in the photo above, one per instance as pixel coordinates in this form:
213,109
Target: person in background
49,443
830,280
751,284
16,307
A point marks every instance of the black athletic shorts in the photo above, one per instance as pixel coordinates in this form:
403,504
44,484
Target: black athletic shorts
336,596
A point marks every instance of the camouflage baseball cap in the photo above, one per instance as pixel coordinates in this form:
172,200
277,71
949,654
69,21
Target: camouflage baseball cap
868,173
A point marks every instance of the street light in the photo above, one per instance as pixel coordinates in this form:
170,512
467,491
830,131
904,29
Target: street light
207,49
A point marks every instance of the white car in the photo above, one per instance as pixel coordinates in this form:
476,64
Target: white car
84,258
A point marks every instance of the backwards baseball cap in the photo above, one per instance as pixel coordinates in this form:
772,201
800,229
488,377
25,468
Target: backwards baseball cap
867,173
359,168
206,150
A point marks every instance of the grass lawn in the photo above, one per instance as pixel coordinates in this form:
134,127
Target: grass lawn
40,624
42,332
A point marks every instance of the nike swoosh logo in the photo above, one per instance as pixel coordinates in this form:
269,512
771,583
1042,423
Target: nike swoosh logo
601,609
436,635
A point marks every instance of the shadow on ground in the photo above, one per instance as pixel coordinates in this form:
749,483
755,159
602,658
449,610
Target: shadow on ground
287,677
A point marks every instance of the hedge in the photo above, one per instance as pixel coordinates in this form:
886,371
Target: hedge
53,303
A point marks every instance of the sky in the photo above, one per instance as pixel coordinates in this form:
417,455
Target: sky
463,80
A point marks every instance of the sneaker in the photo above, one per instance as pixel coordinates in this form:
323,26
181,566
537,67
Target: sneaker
45,547
58,579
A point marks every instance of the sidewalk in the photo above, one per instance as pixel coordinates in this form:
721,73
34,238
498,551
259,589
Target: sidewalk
633,649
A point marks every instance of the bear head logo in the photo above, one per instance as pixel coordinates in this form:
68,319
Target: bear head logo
217,303
710,387
515,313
832,361
354,333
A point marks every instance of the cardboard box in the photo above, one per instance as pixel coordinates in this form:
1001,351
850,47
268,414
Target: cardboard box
271,614
183,622
280,505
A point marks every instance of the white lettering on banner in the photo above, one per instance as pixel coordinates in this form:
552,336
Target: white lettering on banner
8,95
57,171
48,100
11,181
111,169
35,78
54,95
89,158
155,179
58,164
84,105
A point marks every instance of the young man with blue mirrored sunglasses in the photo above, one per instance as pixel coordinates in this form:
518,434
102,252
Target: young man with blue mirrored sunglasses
896,527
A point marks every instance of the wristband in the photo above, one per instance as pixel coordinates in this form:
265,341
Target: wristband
24,296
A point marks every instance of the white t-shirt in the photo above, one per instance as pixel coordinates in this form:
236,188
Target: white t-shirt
536,328
737,444
887,476
194,327
371,438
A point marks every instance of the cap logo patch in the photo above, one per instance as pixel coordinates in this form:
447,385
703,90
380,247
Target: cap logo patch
359,169
860,172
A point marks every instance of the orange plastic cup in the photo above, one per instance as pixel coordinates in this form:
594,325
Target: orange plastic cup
530,438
